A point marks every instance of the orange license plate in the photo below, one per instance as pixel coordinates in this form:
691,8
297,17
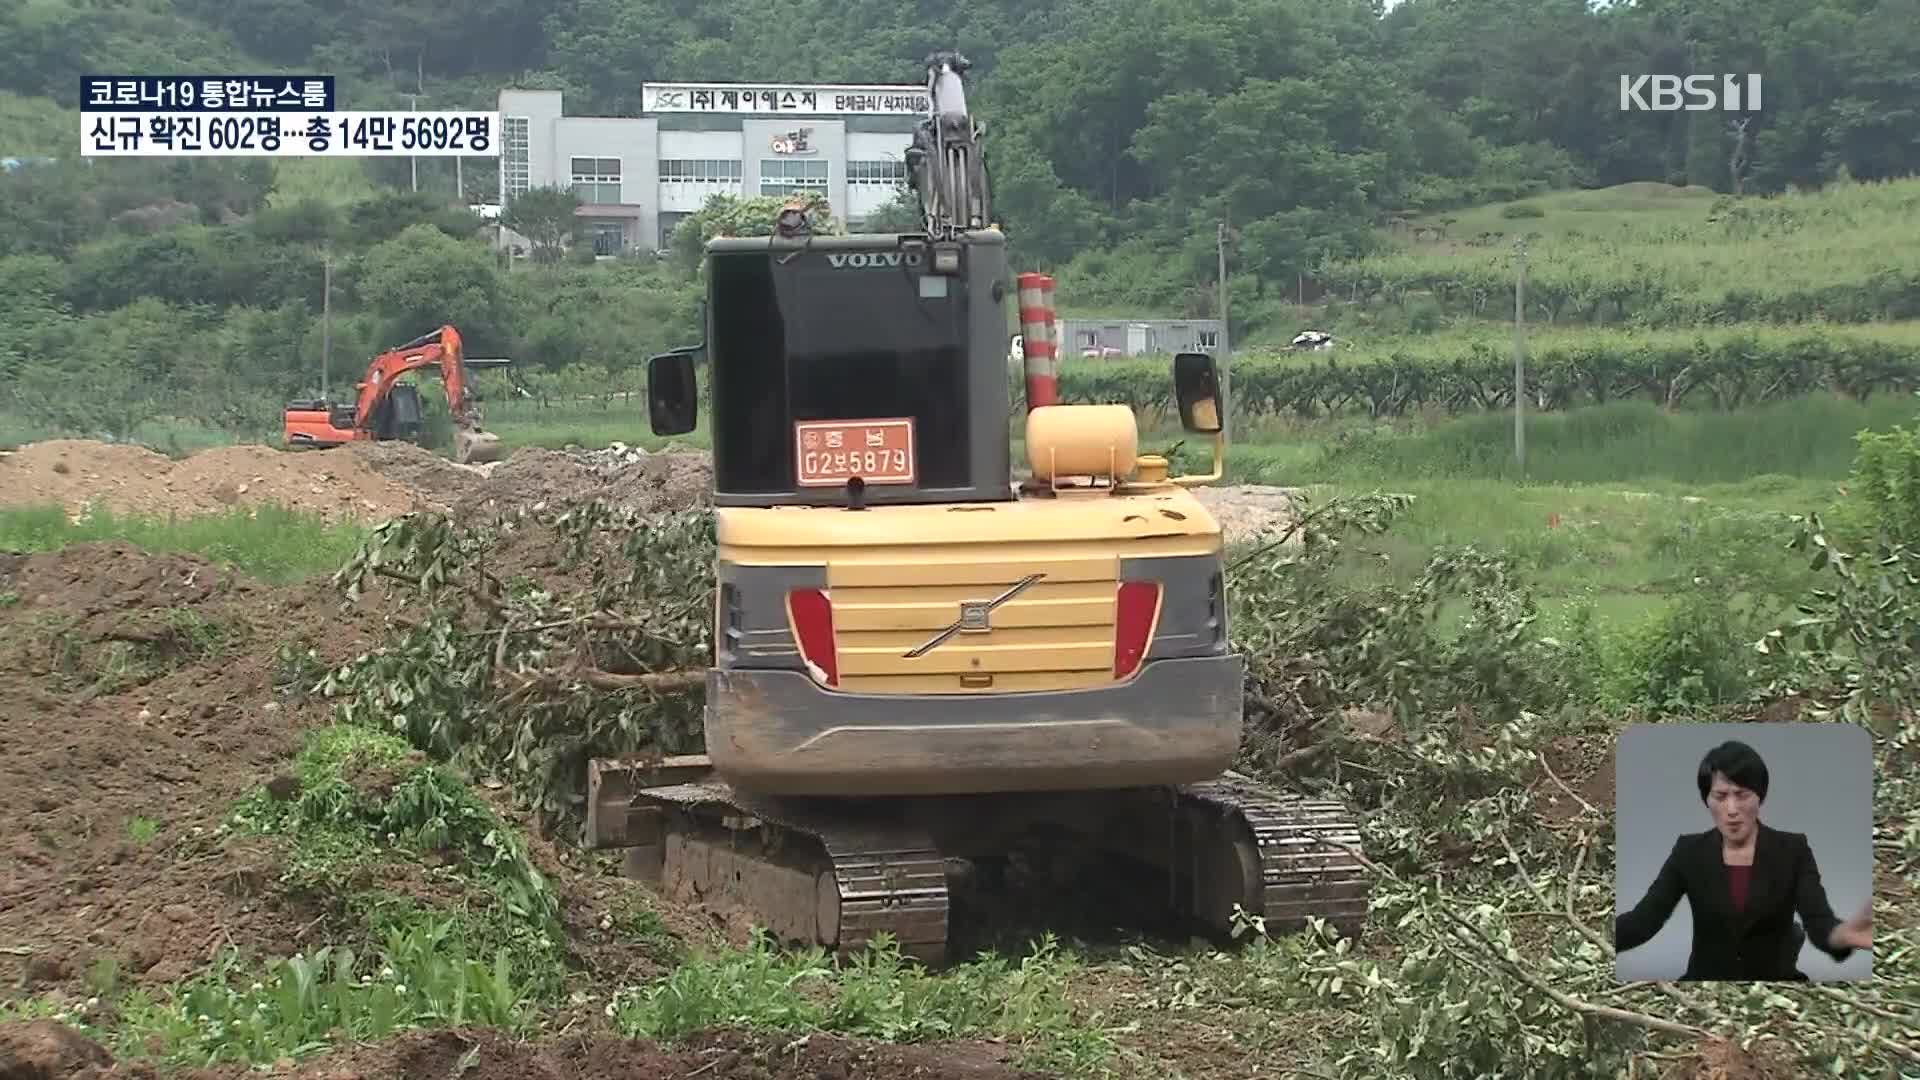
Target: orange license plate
828,453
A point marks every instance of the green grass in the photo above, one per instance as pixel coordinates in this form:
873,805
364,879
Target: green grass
1809,438
1596,212
271,544
586,424
37,127
173,436
336,181
1846,253
875,994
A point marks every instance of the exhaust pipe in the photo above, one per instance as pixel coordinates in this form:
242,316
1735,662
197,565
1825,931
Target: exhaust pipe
1037,332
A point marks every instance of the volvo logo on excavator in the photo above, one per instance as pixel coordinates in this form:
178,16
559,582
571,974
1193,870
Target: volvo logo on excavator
866,260
974,615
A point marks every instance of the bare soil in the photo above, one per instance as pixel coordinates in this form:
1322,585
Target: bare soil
337,484
137,694
46,1051
139,687
365,482
647,483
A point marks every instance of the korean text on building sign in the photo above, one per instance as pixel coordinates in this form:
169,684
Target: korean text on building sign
290,134
807,100
206,93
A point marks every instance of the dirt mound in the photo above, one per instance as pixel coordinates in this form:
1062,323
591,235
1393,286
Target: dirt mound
135,704
425,474
41,1049
633,479
1248,510
135,480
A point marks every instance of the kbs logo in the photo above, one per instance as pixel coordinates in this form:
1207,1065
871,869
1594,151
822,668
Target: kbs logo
1664,93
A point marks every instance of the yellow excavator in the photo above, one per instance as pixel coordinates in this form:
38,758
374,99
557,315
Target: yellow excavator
921,663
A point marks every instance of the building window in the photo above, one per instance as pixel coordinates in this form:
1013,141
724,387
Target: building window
877,173
668,223
517,175
609,237
699,171
1209,339
781,177
597,180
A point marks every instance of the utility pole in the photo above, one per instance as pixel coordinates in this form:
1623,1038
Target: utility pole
326,321
1520,357
413,162
1226,353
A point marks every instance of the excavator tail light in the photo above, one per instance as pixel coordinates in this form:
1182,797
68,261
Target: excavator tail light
1135,609
811,613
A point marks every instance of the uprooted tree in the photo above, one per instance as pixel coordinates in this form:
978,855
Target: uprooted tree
535,642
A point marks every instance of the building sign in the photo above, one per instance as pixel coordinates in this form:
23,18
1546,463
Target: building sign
777,98
797,141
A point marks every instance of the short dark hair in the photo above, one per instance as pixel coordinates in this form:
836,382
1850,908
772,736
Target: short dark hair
1741,764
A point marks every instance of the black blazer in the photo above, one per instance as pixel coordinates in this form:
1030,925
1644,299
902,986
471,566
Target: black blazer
1760,943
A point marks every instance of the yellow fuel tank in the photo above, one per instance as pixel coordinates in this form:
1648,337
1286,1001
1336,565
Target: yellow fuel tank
1082,440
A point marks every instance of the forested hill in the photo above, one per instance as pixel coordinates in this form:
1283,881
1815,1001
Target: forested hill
1120,133
1299,121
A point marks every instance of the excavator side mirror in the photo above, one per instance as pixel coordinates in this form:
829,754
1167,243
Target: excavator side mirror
1196,386
673,395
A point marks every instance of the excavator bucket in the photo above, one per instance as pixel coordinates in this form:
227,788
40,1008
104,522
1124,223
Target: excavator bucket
475,447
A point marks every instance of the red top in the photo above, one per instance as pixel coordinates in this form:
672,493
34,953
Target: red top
1737,883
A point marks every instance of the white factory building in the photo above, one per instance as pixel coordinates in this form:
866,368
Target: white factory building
639,176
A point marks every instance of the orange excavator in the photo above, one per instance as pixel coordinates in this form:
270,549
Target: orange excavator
385,408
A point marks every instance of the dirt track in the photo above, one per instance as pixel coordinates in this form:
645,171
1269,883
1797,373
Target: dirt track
37,1050
140,689
362,481
373,481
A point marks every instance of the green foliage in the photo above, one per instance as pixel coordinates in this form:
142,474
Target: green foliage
1724,368
270,543
304,1003
1825,257
1886,477
527,679
364,797
545,216
730,215
874,993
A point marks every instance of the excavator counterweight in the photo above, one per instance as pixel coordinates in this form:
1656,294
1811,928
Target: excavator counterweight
385,408
924,670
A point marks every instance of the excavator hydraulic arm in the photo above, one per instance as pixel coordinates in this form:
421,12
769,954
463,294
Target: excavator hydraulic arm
442,350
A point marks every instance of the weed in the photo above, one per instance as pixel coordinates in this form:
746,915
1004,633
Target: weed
366,800
875,993
142,830
270,543
421,977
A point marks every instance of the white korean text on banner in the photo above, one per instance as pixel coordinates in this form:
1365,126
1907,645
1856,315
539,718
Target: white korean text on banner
263,116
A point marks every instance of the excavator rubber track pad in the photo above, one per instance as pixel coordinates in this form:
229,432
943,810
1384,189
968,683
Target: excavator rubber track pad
1304,875
887,875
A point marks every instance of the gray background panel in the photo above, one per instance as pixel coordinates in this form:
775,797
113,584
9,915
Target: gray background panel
1820,782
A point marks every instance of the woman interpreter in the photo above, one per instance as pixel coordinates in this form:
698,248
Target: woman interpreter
1744,881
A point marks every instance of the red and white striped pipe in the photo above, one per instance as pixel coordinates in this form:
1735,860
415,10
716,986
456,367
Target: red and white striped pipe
1037,330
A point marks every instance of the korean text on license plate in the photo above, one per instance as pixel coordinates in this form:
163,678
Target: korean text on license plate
827,453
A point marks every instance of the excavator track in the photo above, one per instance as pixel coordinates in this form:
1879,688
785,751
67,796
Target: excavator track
1303,874
832,878
837,873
